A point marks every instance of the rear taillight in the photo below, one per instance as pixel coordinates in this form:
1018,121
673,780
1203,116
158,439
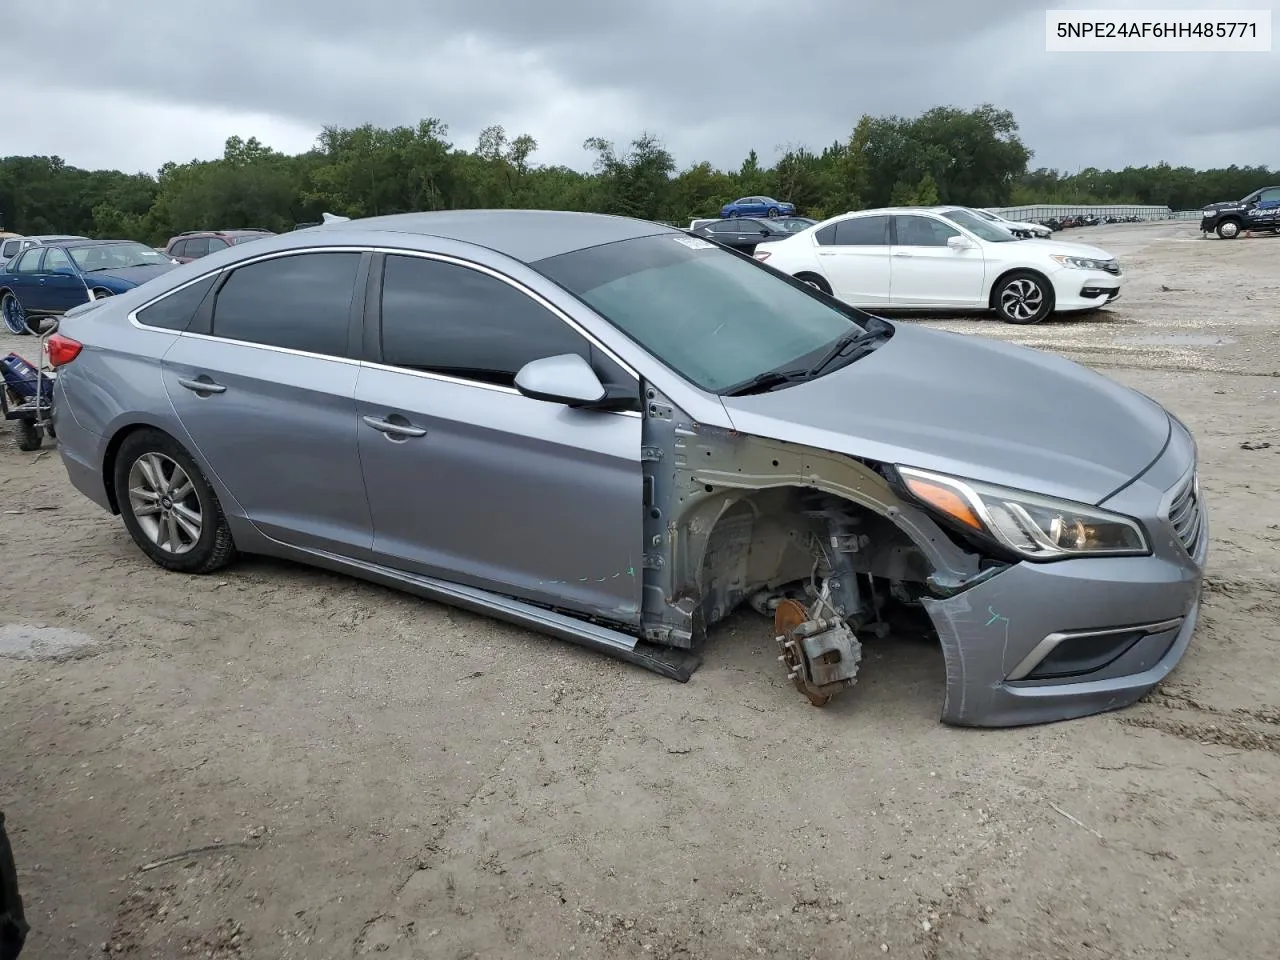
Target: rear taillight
61,350
762,256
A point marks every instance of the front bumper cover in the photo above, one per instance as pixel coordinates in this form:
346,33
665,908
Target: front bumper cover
1041,642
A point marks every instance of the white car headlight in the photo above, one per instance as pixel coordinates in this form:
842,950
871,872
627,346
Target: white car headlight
1078,263
1033,526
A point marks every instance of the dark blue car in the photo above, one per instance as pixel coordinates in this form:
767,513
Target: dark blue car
757,207
48,280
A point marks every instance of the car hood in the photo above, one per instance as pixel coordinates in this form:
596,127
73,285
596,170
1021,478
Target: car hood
1224,205
130,275
970,407
1068,249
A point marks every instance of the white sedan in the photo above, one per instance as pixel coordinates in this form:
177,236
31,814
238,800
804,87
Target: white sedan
945,258
1015,226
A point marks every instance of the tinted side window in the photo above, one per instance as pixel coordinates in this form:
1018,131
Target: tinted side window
725,226
175,311
179,249
443,318
215,244
197,247
29,261
924,232
1270,195
301,302
826,237
10,249
863,232
57,260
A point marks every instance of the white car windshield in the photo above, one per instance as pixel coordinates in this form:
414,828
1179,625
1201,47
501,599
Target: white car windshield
715,317
979,227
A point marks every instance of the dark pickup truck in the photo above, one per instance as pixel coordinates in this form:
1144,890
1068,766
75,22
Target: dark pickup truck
1260,210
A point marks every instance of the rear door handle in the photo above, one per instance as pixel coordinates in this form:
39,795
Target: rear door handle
395,429
902,253
202,386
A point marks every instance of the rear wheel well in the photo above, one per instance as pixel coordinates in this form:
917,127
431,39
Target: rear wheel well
109,461
817,280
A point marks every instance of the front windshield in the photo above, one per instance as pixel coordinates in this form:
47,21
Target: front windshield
115,256
979,227
714,317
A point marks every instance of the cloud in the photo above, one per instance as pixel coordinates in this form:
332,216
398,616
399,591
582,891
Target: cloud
713,79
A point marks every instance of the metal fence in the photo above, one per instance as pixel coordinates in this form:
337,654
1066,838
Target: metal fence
1043,211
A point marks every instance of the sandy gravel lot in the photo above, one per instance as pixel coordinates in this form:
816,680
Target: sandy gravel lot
381,776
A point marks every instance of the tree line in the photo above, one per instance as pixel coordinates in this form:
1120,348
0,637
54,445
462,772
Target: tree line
945,155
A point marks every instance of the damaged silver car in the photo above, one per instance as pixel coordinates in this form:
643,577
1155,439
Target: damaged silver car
616,433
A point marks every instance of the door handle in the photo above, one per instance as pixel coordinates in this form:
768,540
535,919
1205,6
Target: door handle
826,253
394,429
902,253
202,386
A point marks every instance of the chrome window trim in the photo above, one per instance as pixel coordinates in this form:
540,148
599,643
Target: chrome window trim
390,368
542,301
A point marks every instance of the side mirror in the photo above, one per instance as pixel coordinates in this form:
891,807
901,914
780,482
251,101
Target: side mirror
566,379
959,243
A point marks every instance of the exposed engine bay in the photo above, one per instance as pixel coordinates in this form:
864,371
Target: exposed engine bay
821,543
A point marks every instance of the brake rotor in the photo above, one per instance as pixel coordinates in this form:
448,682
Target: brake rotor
789,615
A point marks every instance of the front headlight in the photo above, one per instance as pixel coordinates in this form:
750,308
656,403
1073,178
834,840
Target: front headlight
1035,527
1079,263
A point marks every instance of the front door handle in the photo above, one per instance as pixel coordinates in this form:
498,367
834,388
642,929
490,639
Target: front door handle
902,253
395,429
202,386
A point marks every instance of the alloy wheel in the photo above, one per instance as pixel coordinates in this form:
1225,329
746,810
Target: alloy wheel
163,499
15,318
1021,299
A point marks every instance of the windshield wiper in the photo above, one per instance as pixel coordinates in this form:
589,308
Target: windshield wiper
844,347
765,381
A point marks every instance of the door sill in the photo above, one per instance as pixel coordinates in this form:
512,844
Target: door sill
669,662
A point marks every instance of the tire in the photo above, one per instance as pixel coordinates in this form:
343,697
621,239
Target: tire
27,436
815,281
144,469
1023,298
1228,229
774,213
15,318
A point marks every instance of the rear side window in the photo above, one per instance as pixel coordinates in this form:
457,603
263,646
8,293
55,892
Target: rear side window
443,318
29,262
179,249
301,302
863,232
175,311
197,247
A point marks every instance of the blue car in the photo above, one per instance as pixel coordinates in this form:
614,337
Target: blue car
757,207
48,280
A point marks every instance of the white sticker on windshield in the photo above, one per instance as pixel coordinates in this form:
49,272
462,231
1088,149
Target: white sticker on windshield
695,243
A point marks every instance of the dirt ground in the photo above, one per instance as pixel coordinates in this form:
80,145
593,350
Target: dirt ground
371,774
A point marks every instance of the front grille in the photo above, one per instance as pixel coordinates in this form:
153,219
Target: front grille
1186,515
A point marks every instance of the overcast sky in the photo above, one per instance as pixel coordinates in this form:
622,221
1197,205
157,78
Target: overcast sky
133,85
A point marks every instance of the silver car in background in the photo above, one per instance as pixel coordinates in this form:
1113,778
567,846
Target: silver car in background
616,433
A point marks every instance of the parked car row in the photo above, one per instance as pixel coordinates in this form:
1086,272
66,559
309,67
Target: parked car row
44,276
945,258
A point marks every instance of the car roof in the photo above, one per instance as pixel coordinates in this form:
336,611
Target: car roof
524,235
48,237
75,242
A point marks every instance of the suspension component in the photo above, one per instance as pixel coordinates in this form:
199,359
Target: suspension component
821,654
